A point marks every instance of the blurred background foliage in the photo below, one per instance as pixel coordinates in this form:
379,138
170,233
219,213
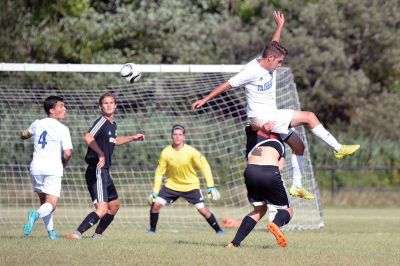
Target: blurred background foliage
344,54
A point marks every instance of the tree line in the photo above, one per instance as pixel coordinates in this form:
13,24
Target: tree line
344,54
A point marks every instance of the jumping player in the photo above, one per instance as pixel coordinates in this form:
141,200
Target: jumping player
259,79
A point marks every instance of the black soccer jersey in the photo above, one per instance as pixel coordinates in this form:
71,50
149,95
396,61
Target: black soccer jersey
105,134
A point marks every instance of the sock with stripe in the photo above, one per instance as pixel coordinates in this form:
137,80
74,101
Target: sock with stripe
88,222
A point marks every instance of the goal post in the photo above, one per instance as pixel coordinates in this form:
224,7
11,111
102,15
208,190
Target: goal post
160,99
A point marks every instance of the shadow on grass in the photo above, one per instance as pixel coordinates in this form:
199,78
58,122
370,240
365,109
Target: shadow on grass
194,243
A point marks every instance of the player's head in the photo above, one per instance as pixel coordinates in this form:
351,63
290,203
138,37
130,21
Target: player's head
107,103
274,53
54,107
177,135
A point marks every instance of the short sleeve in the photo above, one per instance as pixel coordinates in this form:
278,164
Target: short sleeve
32,127
66,140
244,77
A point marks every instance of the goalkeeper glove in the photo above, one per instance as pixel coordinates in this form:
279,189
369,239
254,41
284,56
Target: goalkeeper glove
213,193
151,198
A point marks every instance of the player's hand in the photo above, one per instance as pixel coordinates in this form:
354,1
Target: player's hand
279,18
138,137
152,198
198,104
102,161
213,193
26,134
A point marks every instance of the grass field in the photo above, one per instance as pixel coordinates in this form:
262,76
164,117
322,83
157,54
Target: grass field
350,237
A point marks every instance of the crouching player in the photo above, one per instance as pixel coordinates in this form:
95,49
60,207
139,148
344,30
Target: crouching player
265,186
178,162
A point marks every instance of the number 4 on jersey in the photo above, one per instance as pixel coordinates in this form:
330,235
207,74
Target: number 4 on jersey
42,139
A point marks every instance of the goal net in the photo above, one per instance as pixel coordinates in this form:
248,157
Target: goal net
162,98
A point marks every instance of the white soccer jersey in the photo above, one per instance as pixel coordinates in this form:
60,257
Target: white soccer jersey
50,138
260,87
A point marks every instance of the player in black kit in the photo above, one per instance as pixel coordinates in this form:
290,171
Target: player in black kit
264,186
101,139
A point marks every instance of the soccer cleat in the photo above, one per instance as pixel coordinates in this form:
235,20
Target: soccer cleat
346,150
30,224
280,237
221,232
75,235
231,246
53,235
97,236
301,193
150,232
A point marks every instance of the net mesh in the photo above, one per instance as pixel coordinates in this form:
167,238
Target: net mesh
150,106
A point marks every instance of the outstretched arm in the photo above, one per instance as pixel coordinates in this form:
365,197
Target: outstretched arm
126,139
217,91
279,20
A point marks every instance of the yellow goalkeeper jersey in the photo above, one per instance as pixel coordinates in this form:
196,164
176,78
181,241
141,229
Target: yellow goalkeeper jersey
179,168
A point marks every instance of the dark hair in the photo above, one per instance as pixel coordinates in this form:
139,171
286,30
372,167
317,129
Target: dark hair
107,94
274,48
178,127
50,102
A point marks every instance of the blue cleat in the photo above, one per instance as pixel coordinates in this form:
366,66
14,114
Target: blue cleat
221,232
53,235
30,224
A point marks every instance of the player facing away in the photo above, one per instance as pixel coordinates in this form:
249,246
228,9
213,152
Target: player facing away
259,79
52,152
265,186
101,139
178,162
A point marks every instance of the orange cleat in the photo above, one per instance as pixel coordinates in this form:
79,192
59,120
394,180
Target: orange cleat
276,231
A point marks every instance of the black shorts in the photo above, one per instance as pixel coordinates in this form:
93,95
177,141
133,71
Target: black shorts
169,196
265,186
100,185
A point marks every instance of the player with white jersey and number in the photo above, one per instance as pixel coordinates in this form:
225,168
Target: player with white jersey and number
101,139
259,79
52,151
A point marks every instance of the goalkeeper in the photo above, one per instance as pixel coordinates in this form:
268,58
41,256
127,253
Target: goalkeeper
178,162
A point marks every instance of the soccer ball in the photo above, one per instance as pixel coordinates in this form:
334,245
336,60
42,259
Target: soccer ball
130,73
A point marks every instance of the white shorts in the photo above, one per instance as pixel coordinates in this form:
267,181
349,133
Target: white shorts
281,119
48,184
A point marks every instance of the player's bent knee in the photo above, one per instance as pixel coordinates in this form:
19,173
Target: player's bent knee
156,207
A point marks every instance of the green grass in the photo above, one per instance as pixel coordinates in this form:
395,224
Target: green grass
350,237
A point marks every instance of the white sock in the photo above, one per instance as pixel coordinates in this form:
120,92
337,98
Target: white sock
271,212
297,169
324,134
48,222
45,209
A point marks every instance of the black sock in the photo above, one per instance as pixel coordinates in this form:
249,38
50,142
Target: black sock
153,221
244,230
282,217
104,223
213,223
89,221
